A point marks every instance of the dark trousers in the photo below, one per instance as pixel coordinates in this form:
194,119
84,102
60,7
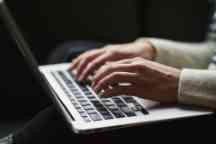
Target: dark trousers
49,127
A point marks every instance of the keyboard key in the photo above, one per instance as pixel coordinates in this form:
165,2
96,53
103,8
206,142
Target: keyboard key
87,106
86,119
87,93
134,105
75,104
95,116
83,102
71,85
107,102
129,99
118,113
81,111
107,117
91,97
73,89
123,107
78,107
76,93
84,88
90,111
72,99
103,111
113,108
79,97
143,110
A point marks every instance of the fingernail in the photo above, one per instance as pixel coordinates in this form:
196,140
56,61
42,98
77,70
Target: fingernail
74,72
93,84
80,79
96,90
101,93
79,76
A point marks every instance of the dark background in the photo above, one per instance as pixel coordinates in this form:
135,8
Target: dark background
48,23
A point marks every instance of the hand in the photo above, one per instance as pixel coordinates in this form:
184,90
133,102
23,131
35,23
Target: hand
90,61
138,77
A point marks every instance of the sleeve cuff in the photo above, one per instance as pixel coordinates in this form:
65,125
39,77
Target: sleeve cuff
167,52
197,87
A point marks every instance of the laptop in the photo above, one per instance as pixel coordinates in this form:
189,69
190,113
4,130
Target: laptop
81,107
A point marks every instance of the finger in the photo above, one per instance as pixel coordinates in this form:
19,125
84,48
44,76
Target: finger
86,60
129,60
124,61
77,60
91,67
115,79
118,90
74,63
110,68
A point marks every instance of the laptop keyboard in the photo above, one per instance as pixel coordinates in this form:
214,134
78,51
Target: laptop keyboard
90,107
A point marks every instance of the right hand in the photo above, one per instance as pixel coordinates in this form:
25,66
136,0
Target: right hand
88,62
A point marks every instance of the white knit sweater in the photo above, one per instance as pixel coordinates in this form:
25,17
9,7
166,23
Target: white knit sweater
197,83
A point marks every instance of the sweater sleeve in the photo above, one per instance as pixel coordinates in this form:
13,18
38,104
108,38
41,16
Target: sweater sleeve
183,55
198,87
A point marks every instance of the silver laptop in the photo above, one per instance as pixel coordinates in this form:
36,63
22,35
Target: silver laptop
83,110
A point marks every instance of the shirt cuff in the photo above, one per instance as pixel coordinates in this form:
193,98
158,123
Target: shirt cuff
197,87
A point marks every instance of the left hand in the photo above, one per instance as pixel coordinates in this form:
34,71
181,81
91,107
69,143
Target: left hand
138,77
88,62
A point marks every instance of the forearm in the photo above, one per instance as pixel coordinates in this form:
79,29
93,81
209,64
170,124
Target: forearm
181,55
198,87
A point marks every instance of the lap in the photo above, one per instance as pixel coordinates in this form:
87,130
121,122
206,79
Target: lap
49,127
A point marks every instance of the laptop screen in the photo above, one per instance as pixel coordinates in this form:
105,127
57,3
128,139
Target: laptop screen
21,95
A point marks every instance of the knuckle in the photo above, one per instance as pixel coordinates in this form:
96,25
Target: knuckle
108,46
111,49
108,67
87,58
138,67
100,72
90,65
109,53
115,75
86,54
83,54
138,58
94,64
114,51
84,61
104,69
92,51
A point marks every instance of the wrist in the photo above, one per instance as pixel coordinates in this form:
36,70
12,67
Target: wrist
175,86
170,87
149,51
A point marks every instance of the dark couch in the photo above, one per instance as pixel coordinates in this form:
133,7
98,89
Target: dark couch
47,23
